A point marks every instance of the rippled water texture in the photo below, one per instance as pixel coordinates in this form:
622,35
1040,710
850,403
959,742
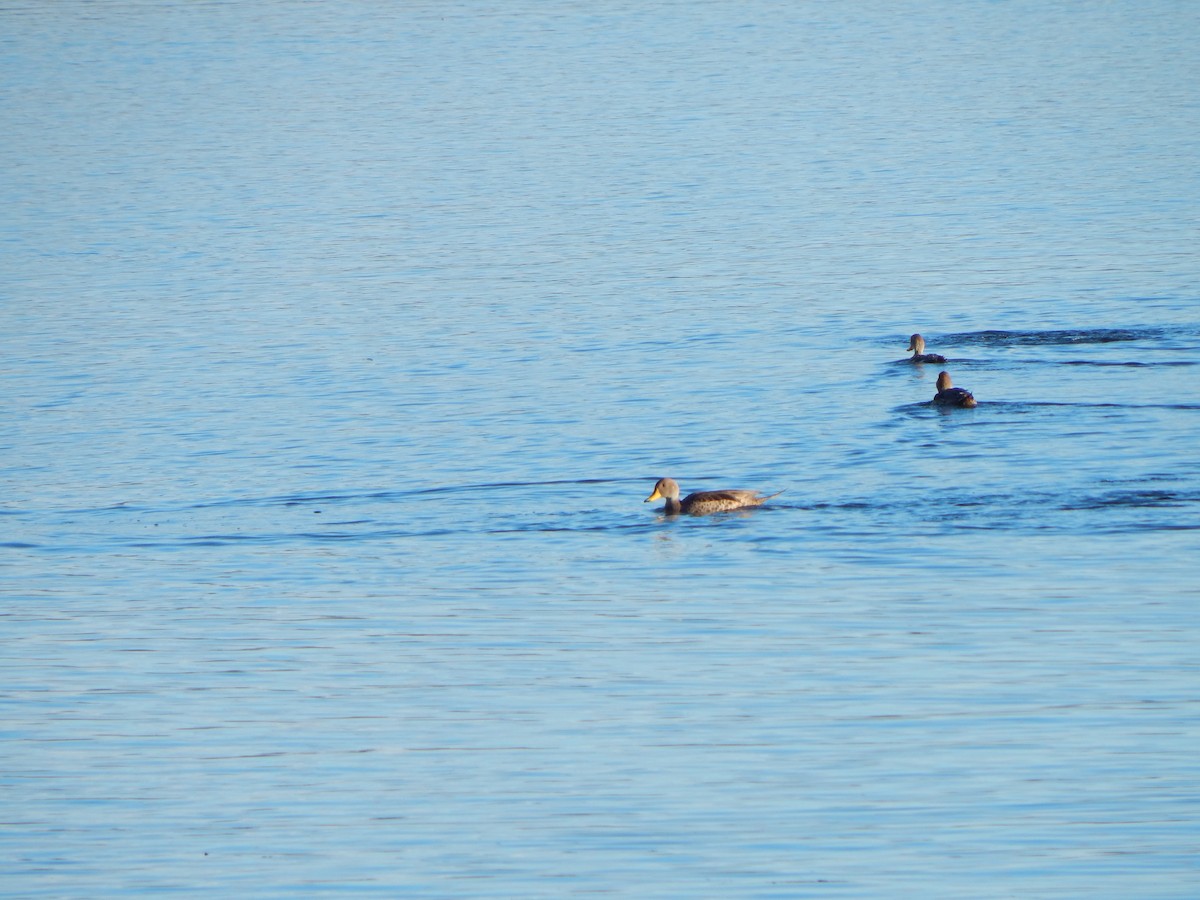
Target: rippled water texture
344,341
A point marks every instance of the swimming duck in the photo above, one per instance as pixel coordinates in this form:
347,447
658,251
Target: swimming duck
703,502
916,344
949,395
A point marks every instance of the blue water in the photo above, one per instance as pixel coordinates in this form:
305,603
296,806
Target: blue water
344,341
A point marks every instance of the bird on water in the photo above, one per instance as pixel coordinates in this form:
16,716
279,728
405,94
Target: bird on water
702,503
916,344
949,395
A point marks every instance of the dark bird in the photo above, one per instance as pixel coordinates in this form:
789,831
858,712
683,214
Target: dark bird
916,344
948,395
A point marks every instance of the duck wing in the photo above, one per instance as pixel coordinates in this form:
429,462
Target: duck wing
955,397
703,502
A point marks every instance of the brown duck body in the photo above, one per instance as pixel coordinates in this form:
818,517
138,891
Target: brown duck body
948,395
703,503
916,344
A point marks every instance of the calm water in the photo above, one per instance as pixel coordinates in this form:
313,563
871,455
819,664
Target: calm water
343,342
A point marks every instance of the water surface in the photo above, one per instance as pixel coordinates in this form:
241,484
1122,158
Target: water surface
343,343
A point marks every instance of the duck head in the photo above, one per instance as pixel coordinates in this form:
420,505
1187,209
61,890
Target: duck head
664,489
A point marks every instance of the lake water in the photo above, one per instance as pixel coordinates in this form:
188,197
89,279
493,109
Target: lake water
343,342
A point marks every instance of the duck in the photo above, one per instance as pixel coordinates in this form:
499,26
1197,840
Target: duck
948,395
702,503
916,344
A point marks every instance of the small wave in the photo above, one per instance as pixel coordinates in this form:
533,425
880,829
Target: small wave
1130,364
1038,404
907,362
1136,498
542,528
366,496
927,408
289,537
994,338
508,485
